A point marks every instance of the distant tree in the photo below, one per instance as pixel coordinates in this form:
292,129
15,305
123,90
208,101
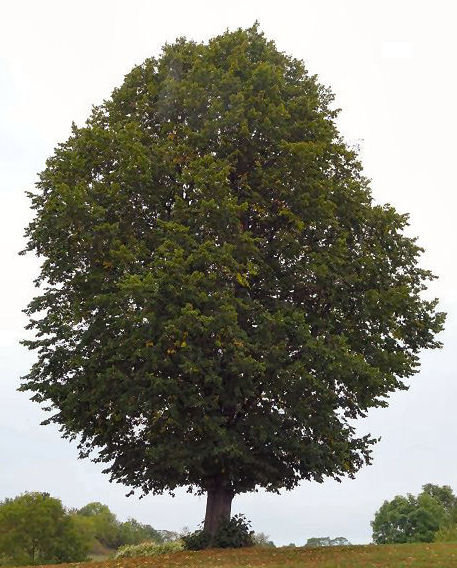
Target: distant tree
261,539
219,296
327,541
340,541
104,523
84,526
408,519
443,494
110,532
36,529
97,509
446,533
134,532
168,536
318,541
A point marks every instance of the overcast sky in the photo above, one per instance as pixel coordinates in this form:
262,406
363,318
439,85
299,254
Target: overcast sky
392,67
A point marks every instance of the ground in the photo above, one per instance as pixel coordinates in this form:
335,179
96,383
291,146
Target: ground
436,555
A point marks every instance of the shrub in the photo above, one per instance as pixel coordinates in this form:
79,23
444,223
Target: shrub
149,549
198,540
446,534
234,533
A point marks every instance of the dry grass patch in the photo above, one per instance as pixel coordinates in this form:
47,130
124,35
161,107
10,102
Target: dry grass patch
436,555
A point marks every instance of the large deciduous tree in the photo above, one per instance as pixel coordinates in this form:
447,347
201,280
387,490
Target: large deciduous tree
219,296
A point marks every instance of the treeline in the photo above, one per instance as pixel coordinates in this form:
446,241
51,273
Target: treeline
102,525
36,528
429,516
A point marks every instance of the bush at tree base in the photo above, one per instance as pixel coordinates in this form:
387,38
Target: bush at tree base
149,549
234,533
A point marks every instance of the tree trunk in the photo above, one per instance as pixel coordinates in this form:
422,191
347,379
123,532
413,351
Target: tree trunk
218,507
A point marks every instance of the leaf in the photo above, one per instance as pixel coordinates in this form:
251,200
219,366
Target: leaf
242,281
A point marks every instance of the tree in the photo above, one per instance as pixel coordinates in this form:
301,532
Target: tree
105,527
412,519
340,541
446,533
133,532
443,494
327,541
36,529
263,540
110,532
220,297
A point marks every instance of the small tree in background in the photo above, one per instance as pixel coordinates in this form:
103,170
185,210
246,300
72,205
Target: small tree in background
447,533
414,519
104,524
134,532
444,495
317,542
111,533
220,297
263,540
36,529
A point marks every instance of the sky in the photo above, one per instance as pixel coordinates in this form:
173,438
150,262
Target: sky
391,66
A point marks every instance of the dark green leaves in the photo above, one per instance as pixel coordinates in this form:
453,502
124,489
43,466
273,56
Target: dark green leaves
219,296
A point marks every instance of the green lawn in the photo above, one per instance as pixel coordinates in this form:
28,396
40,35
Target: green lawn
437,555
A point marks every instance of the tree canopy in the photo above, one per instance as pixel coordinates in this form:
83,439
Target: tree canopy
111,533
219,296
316,542
36,529
415,519
443,494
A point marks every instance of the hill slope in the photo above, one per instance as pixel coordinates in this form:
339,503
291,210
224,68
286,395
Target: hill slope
436,555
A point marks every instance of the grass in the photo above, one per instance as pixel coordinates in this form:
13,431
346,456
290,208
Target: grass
436,555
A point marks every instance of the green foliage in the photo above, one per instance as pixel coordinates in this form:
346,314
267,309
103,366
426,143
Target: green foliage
102,523
149,549
447,533
36,529
219,296
197,540
317,542
413,519
134,532
233,533
443,494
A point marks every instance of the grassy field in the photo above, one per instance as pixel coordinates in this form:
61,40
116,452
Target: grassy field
440,555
